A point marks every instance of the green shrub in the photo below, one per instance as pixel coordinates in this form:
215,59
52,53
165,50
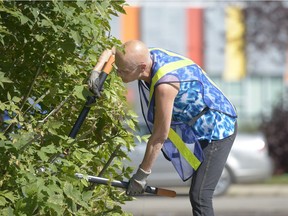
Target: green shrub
275,129
47,50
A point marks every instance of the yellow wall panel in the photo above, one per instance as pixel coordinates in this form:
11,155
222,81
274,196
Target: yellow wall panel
235,58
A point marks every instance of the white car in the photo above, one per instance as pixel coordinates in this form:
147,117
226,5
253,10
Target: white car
247,162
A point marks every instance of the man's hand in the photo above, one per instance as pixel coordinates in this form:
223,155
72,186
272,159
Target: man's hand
93,81
138,183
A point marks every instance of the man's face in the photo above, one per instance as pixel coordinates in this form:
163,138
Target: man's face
128,73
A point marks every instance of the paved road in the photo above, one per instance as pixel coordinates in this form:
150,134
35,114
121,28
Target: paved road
224,206
250,200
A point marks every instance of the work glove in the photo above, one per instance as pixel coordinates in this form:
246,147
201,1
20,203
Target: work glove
138,183
93,83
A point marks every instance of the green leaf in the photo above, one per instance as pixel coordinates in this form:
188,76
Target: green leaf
81,92
119,140
119,8
42,156
2,201
100,9
4,79
78,92
29,190
35,12
87,195
8,211
39,38
84,182
16,99
76,37
20,117
45,23
55,124
49,149
56,207
49,22
70,69
68,190
23,19
131,124
138,138
8,96
81,4
9,195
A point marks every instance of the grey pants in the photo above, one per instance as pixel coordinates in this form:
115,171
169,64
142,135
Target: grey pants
206,177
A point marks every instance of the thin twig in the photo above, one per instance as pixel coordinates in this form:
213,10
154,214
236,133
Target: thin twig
33,82
113,155
54,111
27,95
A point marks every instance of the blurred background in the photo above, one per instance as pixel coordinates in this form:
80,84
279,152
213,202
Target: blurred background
241,45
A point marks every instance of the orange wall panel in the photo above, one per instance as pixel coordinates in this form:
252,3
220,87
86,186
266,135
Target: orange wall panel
130,28
195,35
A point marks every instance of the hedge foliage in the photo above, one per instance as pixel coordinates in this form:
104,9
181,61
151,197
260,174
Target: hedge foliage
47,50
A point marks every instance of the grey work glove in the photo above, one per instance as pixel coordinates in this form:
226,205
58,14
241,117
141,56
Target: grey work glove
138,183
93,83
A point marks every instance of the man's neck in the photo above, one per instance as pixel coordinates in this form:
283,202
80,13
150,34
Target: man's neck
148,72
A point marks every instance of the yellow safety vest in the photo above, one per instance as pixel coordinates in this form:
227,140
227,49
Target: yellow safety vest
173,136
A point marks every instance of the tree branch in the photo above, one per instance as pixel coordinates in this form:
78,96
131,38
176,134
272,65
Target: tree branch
113,155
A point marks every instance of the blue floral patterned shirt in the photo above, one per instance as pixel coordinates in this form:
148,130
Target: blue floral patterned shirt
213,125
218,122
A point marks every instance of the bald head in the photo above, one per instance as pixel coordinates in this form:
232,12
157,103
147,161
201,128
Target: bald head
134,54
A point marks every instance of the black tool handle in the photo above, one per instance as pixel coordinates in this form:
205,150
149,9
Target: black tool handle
90,100
124,184
85,110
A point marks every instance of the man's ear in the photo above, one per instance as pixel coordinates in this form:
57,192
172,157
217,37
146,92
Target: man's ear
142,66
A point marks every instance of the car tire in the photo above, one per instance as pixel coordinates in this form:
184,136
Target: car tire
224,182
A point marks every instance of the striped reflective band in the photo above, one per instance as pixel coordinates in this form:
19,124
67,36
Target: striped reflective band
164,70
183,149
182,57
173,136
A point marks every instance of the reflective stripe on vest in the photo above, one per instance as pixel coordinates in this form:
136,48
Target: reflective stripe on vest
175,54
173,136
164,70
183,149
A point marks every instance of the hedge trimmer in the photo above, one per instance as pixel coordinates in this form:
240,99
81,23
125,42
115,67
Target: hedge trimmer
124,184
99,180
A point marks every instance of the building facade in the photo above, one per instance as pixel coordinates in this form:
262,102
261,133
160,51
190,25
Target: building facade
215,36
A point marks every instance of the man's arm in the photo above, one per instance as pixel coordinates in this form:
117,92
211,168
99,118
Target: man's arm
164,99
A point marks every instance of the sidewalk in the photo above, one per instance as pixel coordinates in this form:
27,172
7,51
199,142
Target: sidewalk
257,189
246,190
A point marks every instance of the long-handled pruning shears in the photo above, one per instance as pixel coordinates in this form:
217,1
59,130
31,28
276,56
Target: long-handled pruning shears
76,127
92,99
124,184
